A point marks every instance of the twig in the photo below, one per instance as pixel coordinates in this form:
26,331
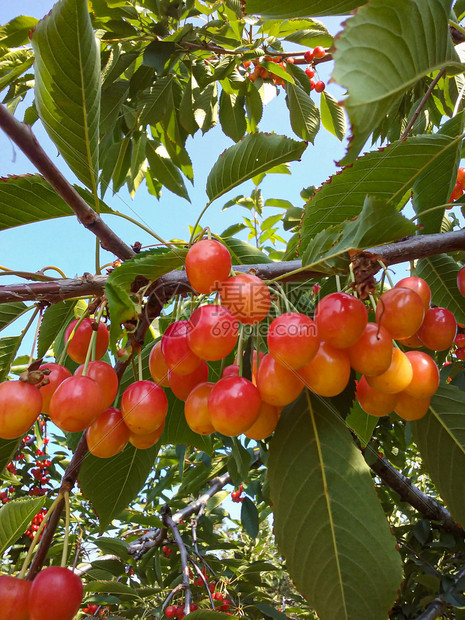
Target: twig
167,520
437,607
24,138
422,104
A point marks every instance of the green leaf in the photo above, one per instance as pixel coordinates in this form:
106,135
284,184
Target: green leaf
8,349
249,517
203,614
243,253
54,319
440,437
113,546
10,312
361,423
371,39
121,309
327,514
388,173
232,115
332,115
163,170
154,103
271,611
67,61
254,154
8,449
254,106
16,32
440,272
434,186
111,587
177,432
302,8
15,516
111,484
377,224
304,115
157,54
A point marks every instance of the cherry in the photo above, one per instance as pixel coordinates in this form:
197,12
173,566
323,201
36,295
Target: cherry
157,366
233,405
208,263
144,407
20,406
396,378
265,424
320,86
410,408
461,281
373,402
308,56
13,598
438,329
340,319
277,384
58,373
460,340
196,409
372,353
319,52
425,380
143,442
247,297
108,435
171,611
310,72
105,375
55,593
401,311
292,339
176,351
182,385
79,344
231,371
213,332
329,371
420,286
76,403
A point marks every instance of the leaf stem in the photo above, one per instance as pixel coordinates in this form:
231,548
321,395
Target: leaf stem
422,104
198,222
144,228
64,555
436,208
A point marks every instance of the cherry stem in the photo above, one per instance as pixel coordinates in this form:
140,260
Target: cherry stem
279,291
36,335
139,361
93,340
444,206
422,104
64,556
53,268
36,538
386,274
29,323
240,347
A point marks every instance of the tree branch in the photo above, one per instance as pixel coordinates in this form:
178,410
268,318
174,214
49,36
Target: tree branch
23,137
168,521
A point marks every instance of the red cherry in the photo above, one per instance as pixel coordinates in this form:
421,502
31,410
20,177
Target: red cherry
292,339
196,409
79,344
320,86
176,351
55,593
76,403
265,424
319,52
410,408
460,340
373,402
247,297
143,442
212,332
308,56
400,311
425,379
13,598
460,353
182,385
108,435
231,371
310,72
144,406
340,319
233,405
171,611
277,384
157,366
20,405
58,374
329,371
420,286
372,353
208,263
105,375
396,378
461,281
438,329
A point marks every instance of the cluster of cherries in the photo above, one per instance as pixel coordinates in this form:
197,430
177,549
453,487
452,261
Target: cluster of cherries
222,602
258,70
55,593
35,523
459,187
237,496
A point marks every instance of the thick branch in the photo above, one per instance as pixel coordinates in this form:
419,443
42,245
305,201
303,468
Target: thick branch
408,492
23,137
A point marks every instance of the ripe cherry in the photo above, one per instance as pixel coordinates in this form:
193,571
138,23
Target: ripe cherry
76,403
55,593
373,402
320,86
20,406
396,378
420,286
425,380
58,373
105,375
143,442
310,72
372,353
265,424
79,344
308,56
461,281
182,385
157,366
438,329
319,52
13,598
247,297
410,408
208,263
212,332
196,409
292,339
171,611
233,405
231,371
340,319
176,351
277,384
108,435
144,407
400,311
329,371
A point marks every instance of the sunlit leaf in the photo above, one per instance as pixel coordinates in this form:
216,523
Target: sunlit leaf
302,8
332,115
440,272
15,516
